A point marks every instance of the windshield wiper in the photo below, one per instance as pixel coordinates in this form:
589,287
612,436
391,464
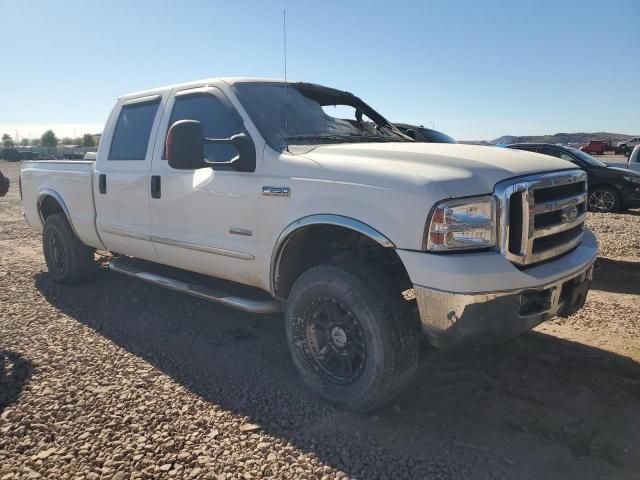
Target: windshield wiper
400,137
318,137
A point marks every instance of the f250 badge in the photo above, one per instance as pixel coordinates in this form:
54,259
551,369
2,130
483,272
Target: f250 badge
276,191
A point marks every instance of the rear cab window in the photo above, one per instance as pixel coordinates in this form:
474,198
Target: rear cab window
133,129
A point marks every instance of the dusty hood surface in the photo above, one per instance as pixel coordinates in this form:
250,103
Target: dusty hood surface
458,170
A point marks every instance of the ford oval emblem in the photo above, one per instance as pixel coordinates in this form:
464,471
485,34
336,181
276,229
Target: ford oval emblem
569,214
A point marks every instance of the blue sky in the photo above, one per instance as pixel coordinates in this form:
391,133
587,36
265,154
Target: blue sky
476,69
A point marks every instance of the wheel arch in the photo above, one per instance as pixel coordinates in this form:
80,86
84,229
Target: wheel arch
601,184
295,230
50,202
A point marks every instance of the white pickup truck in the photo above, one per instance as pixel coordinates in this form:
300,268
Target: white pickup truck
249,192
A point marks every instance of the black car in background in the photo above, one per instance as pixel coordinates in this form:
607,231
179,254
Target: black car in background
421,134
610,189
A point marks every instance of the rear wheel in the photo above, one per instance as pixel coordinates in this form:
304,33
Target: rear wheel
604,199
68,260
351,338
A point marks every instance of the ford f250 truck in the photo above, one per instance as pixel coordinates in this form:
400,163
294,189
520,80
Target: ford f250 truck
256,194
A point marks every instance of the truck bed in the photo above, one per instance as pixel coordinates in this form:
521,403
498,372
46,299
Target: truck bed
71,180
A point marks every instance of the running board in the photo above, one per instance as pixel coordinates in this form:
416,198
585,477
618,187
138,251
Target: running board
240,303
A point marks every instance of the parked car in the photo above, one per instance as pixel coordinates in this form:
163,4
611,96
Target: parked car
595,147
422,134
633,163
627,145
11,154
345,224
610,189
4,185
27,155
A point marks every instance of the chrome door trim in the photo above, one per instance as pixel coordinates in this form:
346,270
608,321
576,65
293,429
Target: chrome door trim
202,248
125,233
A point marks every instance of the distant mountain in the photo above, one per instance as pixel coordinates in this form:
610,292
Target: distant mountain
562,138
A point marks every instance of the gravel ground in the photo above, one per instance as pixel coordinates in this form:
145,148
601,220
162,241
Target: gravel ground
118,380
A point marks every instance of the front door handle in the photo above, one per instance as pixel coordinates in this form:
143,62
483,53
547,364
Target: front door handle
156,186
102,183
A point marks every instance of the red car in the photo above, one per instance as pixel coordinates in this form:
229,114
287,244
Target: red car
595,146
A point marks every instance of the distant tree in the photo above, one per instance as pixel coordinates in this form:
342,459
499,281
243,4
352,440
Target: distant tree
77,141
49,139
88,141
7,141
34,142
66,141
24,142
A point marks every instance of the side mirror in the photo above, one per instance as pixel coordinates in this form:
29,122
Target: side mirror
185,148
246,159
185,145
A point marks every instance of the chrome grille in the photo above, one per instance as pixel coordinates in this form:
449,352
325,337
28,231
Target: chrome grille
542,216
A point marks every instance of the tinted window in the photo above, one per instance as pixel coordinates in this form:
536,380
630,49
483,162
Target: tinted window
585,157
218,120
527,149
131,136
556,152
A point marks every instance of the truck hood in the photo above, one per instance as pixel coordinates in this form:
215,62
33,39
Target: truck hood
457,170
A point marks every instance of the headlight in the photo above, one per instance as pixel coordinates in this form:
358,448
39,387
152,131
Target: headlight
632,179
467,223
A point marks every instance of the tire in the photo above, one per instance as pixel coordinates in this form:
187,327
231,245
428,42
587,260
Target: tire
350,311
68,260
604,199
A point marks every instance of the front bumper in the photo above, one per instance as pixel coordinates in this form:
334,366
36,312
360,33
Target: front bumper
452,319
511,302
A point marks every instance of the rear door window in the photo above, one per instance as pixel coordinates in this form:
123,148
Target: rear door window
131,135
554,152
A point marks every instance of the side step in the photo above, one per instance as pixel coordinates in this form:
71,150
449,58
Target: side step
121,265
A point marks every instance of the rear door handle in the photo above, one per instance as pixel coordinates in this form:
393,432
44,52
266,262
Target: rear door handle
156,186
102,183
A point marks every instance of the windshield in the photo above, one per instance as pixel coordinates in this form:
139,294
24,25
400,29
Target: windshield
304,114
585,157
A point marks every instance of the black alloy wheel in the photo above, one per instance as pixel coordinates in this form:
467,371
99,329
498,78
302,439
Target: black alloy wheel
337,345
604,199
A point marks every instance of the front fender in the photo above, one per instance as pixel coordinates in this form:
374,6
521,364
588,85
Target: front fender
319,219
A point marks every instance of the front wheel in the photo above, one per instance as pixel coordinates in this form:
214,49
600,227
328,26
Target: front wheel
351,338
604,199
